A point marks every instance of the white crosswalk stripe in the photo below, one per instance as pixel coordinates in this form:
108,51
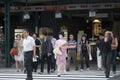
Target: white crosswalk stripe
69,76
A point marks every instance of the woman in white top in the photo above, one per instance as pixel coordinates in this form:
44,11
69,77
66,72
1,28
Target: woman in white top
18,44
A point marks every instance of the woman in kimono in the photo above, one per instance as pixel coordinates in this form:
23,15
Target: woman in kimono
61,44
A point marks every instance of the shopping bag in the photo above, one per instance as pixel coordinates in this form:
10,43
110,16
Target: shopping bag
57,51
90,57
78,57
14,51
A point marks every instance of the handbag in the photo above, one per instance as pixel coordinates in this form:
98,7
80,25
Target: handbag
90,57
14,51
78,57
57,51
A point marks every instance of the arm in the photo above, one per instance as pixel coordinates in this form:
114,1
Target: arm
116,43
34,47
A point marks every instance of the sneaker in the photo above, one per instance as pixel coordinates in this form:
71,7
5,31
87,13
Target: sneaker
100,69
59,75
25,71
88,69
52,70
40,73
67,69
81,70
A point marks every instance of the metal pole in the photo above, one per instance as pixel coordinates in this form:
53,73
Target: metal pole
7,31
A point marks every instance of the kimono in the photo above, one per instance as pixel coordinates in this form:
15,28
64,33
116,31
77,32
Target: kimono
61,58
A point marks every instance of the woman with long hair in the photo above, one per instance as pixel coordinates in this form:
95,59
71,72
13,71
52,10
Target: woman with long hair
17,44
107,52
84,52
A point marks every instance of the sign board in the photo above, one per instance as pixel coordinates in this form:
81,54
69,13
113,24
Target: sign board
92,13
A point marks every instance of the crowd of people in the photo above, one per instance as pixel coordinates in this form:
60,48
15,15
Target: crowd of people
58,53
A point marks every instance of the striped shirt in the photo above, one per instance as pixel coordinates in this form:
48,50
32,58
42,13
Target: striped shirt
72,43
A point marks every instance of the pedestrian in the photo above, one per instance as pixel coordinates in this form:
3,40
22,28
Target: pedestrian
107,52
53,61
29,53
100,52
21,53
114,53
37,45
72,52
46,53
84,52
17,44
61,55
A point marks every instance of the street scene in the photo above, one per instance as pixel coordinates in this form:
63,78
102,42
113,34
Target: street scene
59,39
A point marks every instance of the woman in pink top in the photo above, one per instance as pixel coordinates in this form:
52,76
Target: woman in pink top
61,43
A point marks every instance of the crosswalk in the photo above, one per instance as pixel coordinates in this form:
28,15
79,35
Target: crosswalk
69,76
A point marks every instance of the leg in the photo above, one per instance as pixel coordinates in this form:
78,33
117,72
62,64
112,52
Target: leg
104,60
87,60
28,64
48,63
108,63
114,55
42,62
82,60
74,58
52,63
59,66
35,67
17,65
68,60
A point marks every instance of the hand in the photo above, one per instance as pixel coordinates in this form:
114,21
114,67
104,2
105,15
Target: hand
49,54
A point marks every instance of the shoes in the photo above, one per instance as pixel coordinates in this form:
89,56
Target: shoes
59,75
48,72
52,70
107,76
25,71
76,69
40,73
81,70
88,69
100,69
67,69
28,79
114,72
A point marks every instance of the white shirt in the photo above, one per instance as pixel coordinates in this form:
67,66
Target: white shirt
53,41
28,44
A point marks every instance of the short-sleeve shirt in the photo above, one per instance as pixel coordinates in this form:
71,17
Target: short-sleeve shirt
72,43
28,44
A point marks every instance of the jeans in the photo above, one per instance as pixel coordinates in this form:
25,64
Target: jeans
86,56
28,64
107,62
114,55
